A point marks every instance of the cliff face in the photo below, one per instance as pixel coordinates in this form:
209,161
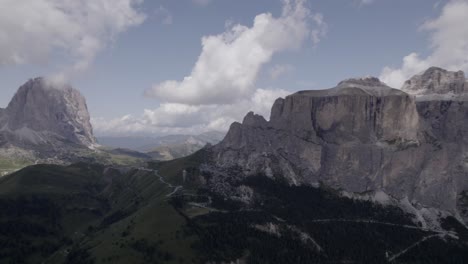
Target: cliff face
360,136
354,111
42,114
436,81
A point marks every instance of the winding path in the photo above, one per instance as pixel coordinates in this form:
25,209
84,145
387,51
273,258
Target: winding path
175,188
439,233
365,221
393,257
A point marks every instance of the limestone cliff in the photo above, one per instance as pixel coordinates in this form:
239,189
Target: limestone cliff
42,114
362,136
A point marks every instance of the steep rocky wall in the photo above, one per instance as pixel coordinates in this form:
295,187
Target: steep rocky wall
359,136
356,117
41,113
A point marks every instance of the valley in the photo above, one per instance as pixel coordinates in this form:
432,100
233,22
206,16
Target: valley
151,215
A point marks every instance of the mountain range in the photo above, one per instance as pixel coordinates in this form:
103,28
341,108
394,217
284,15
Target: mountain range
358,173
364,137
164,147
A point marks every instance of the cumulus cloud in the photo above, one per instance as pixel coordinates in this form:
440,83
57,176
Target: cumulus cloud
229,63
448,43
222,88
32,31
175,118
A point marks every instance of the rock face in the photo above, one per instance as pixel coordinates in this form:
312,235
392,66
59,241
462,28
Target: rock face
362,136
44,115
436,81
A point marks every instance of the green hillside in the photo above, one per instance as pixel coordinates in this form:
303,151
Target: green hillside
90,213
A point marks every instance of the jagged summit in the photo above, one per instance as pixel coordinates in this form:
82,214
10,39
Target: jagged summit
46,113
252,119
437,81
362,81
355,86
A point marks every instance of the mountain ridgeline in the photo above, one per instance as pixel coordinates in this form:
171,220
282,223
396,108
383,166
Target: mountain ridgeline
365,137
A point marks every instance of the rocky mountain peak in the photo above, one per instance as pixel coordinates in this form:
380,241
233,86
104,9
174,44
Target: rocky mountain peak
252,119
363,81
42,112
436,81
363,136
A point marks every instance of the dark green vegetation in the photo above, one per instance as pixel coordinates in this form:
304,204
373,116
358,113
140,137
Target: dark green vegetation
88,213
42,207
288,224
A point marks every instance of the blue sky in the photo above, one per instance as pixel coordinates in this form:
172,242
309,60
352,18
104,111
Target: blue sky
144,44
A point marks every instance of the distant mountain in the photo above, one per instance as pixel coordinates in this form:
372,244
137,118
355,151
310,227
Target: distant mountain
42,113
44,122
172,147
165,147
437,81
47,122
127,142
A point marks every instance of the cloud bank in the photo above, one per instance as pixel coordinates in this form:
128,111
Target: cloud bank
175,118
221,87
229,63
33,31
448,43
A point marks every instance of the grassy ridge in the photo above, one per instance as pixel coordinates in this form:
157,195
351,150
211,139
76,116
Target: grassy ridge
89,214
9,165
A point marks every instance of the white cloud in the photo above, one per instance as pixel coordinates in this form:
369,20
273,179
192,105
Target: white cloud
164,15
448,43
32,31
320,31
279,70
174,118
221,87
229,63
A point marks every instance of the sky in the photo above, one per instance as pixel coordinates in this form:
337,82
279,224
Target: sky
156,67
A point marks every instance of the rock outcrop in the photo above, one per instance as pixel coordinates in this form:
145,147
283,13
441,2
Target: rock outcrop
363,136
42,115
437,81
